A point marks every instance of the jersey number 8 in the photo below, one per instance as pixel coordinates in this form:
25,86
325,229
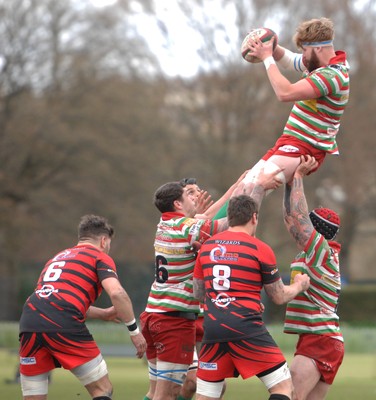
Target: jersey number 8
221,275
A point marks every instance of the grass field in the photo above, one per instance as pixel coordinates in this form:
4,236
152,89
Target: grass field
356,380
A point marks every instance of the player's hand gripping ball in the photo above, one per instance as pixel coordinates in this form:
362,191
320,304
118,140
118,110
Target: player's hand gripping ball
263,34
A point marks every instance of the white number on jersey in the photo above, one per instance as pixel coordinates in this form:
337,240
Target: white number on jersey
53,271
221,274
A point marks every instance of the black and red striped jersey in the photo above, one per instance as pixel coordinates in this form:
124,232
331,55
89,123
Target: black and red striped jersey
68,284
234,267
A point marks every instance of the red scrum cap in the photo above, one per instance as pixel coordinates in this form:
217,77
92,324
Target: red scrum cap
325,221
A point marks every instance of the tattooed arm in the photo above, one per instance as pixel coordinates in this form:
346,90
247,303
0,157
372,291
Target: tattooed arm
199,289
265,181
222,224
281,294
295,208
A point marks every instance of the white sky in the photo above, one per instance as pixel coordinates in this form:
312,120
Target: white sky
178,55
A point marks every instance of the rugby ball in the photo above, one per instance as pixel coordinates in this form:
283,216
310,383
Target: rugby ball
263,34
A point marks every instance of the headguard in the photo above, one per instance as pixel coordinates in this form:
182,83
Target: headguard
325,221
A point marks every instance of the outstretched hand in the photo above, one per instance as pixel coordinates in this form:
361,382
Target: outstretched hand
307,164
203,202
269,180
259,49
139,343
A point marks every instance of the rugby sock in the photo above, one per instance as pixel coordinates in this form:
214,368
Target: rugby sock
146,398
277,396
102,398
183,398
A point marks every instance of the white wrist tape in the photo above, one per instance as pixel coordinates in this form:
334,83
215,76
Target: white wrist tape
130,322
268,62
135,332
132,327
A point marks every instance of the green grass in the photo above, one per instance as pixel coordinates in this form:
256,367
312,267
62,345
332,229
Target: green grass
355,380
356,377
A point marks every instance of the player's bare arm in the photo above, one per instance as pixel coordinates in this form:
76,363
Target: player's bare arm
222,224
283,88
199,289
105,314
281,294
234,190
124,310
295,210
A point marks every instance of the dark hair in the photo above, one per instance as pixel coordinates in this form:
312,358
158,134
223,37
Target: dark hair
93,226
188,181
325,221
165,196
240,210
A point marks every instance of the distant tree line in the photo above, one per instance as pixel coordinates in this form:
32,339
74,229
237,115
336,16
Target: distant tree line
89,123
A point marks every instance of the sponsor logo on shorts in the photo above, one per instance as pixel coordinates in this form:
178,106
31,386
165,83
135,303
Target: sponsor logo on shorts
27,360
208,366
287,148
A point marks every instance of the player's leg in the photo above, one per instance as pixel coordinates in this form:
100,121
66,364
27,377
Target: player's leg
35,365
152,367
315,365
94,376
188,388
278,382
211,375
34,387
305,376
319,392
169,380
176,343
287,165
209,390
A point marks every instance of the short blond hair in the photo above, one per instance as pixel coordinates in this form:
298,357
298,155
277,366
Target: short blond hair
314,30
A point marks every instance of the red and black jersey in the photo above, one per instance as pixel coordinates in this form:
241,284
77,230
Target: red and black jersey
69,283
234,266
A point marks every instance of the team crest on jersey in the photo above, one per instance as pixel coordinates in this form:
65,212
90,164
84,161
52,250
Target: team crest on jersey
208,366
28,360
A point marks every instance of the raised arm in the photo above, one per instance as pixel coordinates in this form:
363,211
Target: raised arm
283,88
213,209
295,208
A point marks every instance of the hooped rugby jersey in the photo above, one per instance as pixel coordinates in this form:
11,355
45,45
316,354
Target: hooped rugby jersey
314,311
67,286
317,121
175,256
234,267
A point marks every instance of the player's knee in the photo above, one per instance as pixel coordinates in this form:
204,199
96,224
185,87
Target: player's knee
189,387
92,371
